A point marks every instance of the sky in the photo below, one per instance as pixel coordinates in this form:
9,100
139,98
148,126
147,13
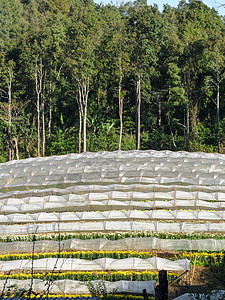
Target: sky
211,3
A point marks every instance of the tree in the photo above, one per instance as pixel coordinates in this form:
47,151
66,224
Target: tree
196,20
216,53
83,39
114,56
144,26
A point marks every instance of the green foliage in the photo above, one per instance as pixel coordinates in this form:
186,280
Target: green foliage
99,289
178,54
113,236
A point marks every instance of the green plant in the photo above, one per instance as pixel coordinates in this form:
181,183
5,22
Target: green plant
98,289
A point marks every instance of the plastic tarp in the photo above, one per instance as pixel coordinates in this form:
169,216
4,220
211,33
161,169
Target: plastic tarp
127,244
14,205
214,295
132,167
73,264
136,192
73,287
111,226
114,191
113,215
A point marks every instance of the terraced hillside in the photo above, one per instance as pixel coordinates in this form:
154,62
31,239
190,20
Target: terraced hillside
122,207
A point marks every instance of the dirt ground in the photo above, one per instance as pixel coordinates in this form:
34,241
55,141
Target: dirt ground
201,282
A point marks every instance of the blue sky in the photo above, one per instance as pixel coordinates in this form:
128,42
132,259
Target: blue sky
211,3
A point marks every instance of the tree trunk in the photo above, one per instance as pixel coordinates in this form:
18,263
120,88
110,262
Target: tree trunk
84,128
10,114
171,132
120,107
83,89
160,112
15,139
218,111
38,122
138,112
187,80
38,78
194,121
188,84
50,117
43,116
187,127
80,130
51,93
79,101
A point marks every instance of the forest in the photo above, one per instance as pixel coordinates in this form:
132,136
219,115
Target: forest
77,76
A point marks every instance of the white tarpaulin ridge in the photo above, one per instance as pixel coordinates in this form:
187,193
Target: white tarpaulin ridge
73,287
35,205
127,244
73,264
152,191
132,167
213,295
175,215
111,226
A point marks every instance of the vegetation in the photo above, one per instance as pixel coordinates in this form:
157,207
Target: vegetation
113,236
198,258
88,275
77,76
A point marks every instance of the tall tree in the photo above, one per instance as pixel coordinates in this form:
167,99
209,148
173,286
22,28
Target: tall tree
216,59
83,39
114,56
145,40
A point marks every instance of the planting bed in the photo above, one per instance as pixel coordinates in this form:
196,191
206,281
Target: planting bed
112,216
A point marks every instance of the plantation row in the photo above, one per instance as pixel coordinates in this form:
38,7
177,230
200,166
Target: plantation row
62,244
113,236
88,275
77,297
198,258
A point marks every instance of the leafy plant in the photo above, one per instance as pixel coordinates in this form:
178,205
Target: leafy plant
98,289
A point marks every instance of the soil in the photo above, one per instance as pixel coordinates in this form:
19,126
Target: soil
202,282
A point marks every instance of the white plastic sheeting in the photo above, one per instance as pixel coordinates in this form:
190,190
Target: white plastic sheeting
73,287
127,244
132,167
99,192
73,264
14,205
214,295
159,182
113,215
110,226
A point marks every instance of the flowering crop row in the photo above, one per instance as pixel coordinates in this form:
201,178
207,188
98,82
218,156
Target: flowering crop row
200,258
89,255
76,297
113,236
203,259
84,276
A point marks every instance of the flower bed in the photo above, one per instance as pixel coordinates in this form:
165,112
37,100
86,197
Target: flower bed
84,276
112,236
199,258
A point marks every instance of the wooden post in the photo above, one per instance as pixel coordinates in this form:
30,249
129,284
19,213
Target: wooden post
145,294
161,291
192,278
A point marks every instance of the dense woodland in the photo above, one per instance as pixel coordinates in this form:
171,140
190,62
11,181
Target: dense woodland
76,76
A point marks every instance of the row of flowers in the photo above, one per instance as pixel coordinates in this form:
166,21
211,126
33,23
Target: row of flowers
75,297
88,275
112,236
204,259
88,255
198,258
